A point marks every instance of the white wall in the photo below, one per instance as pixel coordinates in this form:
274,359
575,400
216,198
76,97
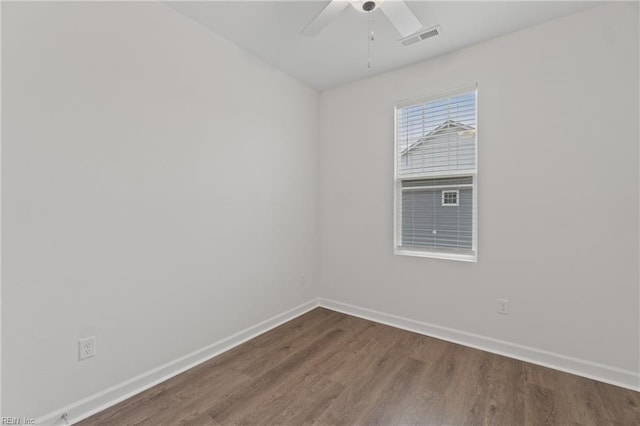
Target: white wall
558,192
159,189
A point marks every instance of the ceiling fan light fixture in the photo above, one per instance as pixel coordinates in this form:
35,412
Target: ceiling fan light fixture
397,12
365,6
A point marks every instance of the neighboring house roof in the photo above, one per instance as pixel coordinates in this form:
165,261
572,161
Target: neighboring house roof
447,125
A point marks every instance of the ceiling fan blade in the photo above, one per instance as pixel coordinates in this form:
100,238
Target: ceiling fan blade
401,17
332,10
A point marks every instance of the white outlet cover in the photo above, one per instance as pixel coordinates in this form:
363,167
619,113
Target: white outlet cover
503,306
86,348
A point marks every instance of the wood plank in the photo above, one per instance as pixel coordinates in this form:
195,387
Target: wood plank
621,406
243,397
505,392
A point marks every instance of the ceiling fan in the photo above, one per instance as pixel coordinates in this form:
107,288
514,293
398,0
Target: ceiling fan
396,11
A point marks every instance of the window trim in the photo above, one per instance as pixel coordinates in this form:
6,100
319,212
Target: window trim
397,188
436,255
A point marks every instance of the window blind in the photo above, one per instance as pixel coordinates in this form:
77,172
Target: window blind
437,137
430,223
436,169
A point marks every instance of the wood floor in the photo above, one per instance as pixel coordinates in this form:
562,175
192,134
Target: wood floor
328,368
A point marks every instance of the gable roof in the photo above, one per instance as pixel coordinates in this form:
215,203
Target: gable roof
447,125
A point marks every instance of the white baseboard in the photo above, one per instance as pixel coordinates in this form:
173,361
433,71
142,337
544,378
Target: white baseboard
603,373
90,405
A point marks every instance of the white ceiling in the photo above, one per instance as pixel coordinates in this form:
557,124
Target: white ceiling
338,55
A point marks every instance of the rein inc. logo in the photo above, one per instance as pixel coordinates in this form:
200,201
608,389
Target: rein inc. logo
17,421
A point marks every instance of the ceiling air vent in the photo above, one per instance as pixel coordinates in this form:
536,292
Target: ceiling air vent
423,35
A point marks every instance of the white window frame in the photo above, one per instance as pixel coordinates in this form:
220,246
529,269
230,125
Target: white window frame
451,191
397,199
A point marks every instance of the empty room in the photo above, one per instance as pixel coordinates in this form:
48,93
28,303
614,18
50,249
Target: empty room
320,212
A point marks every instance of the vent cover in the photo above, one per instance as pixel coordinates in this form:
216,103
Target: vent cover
423,35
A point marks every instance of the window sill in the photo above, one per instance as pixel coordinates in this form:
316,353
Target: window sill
436,255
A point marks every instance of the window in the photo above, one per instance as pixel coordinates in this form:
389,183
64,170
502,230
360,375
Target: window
450,198
436,175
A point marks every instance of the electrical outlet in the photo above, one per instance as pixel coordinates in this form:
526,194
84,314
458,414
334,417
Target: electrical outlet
503,306
302,280
86,348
